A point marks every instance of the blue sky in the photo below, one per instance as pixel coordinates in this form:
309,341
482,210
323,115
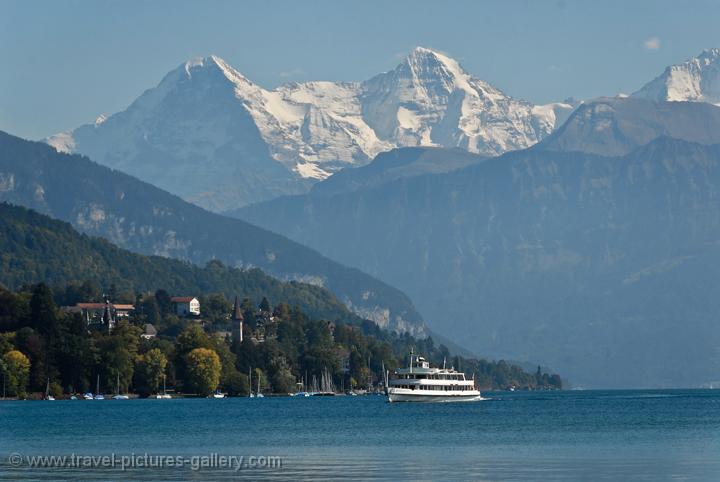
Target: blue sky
66,62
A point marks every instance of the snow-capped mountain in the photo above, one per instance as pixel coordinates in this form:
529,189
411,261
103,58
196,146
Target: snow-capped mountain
210,135
695,80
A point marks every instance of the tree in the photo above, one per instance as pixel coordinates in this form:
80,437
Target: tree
237,384
281,377
6,342
282,311
118,352
265,304
74,353
216,307
17,372
164,302
29,342
112,293
203,370
42,310
189,339
151,367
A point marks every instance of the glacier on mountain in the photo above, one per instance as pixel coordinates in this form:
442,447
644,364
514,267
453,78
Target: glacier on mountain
213,137
695,80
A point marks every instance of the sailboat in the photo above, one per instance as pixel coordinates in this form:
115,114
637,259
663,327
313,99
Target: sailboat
327,389
98,395
47,392
117,395
259,393
252,395
164,393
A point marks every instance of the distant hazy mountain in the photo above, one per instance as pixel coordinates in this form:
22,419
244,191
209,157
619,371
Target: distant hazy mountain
616,126
397,164
604,268
696,80
140,217
213,137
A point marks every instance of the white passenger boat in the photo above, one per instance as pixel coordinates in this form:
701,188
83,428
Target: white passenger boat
421,383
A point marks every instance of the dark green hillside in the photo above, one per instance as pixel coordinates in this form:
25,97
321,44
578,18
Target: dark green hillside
36,248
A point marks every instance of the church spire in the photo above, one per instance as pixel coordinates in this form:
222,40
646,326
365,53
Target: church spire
237,312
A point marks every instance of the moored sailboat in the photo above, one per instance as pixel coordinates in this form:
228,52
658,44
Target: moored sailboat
47,392
118,395
98,395
164,394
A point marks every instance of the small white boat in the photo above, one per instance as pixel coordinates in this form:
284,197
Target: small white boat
73,397
421,383
88,396
218,394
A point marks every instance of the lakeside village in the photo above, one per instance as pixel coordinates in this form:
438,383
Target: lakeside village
164,346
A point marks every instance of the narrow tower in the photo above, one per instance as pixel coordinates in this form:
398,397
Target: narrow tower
237,322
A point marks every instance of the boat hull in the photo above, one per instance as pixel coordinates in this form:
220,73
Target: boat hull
395,396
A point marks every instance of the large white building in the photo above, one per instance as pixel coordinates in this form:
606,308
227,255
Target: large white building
186,305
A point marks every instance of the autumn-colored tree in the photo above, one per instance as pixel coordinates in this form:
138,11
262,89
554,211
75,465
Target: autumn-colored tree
203,370
16,369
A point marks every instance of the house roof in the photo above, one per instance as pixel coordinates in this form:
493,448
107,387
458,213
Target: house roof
182,299
101,306
150,329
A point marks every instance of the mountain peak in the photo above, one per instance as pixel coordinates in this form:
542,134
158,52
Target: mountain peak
424,59
695,80
709,55
209,63
420,51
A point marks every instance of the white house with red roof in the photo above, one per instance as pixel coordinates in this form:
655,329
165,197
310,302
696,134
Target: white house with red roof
186,305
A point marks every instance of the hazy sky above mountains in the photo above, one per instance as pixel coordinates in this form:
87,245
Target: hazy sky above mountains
67,62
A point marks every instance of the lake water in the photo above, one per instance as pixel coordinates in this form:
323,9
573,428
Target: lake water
576,435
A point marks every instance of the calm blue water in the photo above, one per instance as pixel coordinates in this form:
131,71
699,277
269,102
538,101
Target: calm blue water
590,435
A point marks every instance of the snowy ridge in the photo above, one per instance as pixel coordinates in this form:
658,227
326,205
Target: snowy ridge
241,143
695,80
